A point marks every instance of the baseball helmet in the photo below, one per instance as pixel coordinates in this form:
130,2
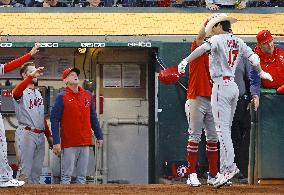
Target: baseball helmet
169,75
280,90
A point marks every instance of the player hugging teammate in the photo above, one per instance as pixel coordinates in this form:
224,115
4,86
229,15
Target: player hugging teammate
226,52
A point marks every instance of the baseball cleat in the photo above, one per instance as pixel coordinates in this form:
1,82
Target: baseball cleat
219,178
12,183
193,181
226,178
220,184
212,180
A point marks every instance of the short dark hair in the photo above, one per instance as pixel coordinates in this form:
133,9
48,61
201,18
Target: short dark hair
25,66
226,25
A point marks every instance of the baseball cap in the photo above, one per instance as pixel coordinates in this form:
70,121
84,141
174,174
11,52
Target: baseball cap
67,71
264,36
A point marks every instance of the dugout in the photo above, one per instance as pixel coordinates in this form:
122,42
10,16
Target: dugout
131,111
161,128
162,124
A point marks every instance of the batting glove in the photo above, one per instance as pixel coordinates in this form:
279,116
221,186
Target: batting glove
265,75
181,67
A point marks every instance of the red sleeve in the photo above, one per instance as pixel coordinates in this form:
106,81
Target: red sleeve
193,46
16,63
18,90
47,131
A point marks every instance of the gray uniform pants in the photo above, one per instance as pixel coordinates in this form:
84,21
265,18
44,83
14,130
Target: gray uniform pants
6,172
30,150
199,115
224,101
74,158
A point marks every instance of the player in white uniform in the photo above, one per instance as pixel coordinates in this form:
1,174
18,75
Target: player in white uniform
226,51
6,173
30,134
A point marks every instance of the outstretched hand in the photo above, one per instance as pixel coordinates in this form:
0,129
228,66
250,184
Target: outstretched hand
35,49
37,72
265,75
182,65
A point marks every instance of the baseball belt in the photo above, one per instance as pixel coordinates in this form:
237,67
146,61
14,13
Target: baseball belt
34,130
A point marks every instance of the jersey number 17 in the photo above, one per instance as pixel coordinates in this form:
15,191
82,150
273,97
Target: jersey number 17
232,57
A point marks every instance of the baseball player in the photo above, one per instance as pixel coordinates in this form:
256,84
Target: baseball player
73,117
226,51
6,179
30,134
199,114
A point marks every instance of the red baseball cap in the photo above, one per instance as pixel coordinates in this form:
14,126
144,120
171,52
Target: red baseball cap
264,36
67,71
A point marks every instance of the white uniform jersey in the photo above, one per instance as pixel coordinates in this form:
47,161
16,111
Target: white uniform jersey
226,53
1,69
30,109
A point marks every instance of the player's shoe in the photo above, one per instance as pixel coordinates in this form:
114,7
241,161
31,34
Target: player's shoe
193,181
12,183
227,177
211,180
220,176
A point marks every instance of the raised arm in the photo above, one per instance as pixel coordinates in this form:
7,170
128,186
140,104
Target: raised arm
203,46
20,87
8,67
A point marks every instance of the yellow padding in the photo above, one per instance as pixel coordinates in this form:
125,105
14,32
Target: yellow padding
129,23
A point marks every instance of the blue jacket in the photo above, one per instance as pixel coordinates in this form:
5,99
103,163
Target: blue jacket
74,114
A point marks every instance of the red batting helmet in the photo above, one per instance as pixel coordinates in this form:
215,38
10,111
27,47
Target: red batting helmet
280,90
169,75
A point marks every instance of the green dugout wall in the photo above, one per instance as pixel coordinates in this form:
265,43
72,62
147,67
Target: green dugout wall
267,139
271,137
